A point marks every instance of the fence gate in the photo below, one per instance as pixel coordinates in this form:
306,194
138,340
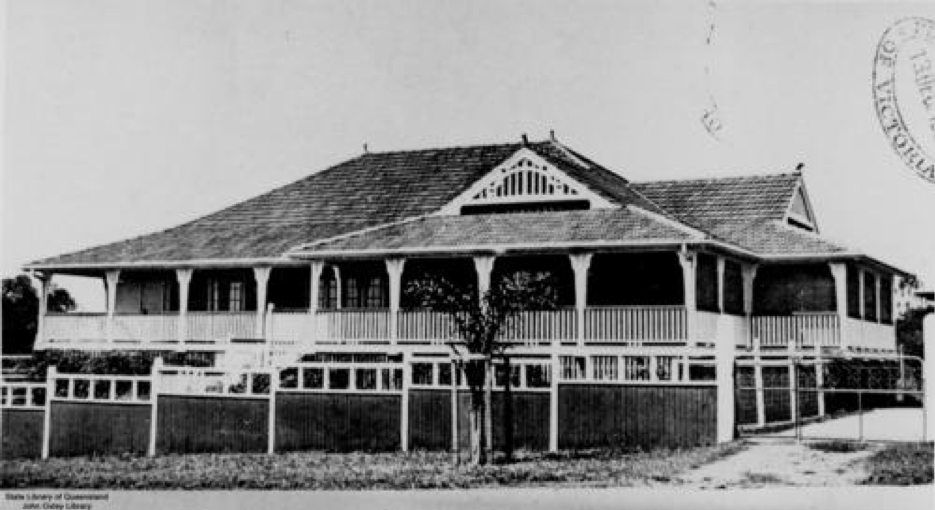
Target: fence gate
815,395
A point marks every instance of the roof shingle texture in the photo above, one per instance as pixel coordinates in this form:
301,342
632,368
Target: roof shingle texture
491,230
745,211
366,191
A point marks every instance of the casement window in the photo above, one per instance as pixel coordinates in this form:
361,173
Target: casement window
636,368
733,288
376,292
538,376
328,292
352,294
870,296
666,367
572,367
853,292
422,374
236,297
500,376
886,299
706,284
606,368
214,295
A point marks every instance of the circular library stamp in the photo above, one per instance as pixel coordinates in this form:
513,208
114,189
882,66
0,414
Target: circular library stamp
904,92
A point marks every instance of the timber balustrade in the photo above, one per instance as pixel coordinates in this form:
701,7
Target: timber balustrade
821,329
146,328
636,323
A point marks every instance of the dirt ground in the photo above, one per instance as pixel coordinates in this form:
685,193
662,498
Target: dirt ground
779,462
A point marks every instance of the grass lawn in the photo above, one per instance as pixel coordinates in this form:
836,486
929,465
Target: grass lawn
312,470
901,464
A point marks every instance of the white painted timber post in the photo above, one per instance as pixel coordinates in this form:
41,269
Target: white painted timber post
793,384
455,437
820,379
184,277
394,268
721,264
725,353
404,405
928,374
112,278
339,288
688,259
313,297
758,384
580,262
47,416
839,273
553,403
483,264
261,275
269,333
154,405
45,284
271,424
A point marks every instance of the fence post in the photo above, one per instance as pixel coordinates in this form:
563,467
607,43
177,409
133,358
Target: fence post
725,354
47,416
455,437
154,405
404,407
271,426
268,335
928,375
793,386
553,404
820,380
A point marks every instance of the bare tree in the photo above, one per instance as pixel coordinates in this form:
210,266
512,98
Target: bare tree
479,324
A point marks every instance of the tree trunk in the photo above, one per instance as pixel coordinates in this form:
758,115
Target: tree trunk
478,451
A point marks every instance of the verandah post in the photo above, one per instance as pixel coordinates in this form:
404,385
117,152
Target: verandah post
758,386
184,277
687,259
261,275
111,278
839,274
580,263
47,415
394,268
45,283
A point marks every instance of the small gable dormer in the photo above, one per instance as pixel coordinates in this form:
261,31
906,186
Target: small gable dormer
525,182
800,213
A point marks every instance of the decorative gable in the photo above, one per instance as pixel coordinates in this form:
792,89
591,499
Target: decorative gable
526,179
800,213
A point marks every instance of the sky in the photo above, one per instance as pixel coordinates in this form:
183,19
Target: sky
123,117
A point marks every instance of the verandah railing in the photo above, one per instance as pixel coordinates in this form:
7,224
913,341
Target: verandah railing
636,323
811,329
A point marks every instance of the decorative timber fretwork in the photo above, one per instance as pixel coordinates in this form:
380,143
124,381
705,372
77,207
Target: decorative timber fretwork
525,178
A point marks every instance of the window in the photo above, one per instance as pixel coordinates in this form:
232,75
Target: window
365,378
214,295
500,376
538,376
444,374
236,299
339,378
352,298
636,368
376,292
853,292
886,299
328,292
422,374
572,367
665,367
605,368
870,297
733,288
706,284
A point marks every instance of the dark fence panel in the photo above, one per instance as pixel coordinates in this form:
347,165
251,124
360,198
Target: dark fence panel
211,424
745,396
530,420
777,402
337,422
807,397
21,433
96,428
594,415
430,420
